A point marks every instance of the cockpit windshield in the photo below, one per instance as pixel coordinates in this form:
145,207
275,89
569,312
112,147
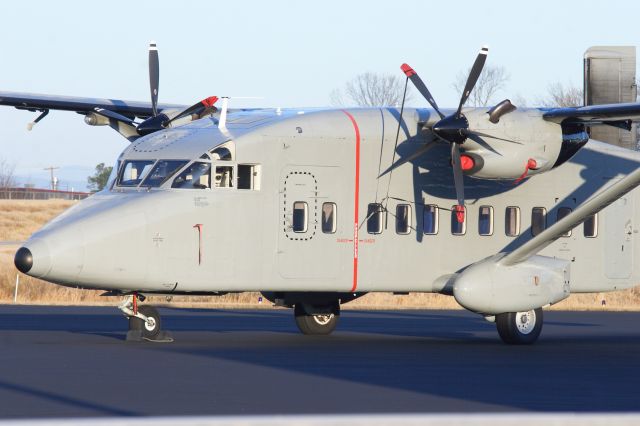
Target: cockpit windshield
196,176
133,171
162,171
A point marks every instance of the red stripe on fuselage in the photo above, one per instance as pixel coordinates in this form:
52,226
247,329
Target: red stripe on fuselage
356,202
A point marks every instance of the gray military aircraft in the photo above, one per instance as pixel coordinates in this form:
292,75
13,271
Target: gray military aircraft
509,210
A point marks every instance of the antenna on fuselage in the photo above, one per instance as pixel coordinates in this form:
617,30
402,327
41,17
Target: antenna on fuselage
222,122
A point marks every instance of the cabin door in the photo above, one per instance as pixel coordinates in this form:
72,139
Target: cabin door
618,231
306,247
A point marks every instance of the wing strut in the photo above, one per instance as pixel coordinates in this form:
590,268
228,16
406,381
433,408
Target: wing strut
592,206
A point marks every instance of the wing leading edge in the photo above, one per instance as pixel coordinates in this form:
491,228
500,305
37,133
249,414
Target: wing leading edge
40,102
619,115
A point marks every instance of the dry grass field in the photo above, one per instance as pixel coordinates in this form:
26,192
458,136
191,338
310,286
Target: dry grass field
19,219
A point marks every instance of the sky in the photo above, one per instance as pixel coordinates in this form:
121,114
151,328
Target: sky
288,53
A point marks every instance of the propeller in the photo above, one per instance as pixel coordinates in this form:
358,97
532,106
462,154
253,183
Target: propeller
159,121
154,76
454,128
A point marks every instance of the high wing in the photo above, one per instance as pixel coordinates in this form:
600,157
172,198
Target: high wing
40,102
618,115
592,206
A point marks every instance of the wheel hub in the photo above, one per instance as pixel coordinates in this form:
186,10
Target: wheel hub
526,321
323,319
150,324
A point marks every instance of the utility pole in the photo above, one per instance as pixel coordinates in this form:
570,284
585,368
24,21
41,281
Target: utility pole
54,181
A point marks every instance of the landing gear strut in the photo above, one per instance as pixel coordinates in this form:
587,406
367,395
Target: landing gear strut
144,321
520,328
316,320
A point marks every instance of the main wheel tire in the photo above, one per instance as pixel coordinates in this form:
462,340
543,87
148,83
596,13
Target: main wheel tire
520,328
321,324
150,328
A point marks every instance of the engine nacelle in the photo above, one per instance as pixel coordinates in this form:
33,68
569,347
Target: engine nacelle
488,287
520,143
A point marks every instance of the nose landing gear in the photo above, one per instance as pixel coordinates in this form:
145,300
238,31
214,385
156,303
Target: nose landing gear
144,321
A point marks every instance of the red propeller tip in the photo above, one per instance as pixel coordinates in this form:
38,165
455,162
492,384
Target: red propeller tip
407,70
208,102
459,213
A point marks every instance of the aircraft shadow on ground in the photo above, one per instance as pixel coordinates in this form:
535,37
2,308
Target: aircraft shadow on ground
450,354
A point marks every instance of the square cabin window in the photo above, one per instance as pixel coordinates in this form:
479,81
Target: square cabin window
512,221
591,226
430,219
538,220
457,227
485,220
374,218
403,219
300,210
329,219
562,212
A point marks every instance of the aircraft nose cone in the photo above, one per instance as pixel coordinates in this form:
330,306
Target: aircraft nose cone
23,260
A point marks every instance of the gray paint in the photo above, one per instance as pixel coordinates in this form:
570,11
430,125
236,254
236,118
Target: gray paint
140,239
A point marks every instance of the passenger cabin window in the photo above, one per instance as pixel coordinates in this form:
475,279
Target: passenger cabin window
249,176
591,226
485,220
538,220
224,177
430,219
562,212
300,213
374,218
512,221
196,176
133,172
329,219
403,219
457,227
162,171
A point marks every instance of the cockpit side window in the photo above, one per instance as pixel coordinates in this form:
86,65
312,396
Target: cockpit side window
162,171
224,177
221,153
133,171
196,176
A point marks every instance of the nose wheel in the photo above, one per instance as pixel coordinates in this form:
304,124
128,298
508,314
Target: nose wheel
145,323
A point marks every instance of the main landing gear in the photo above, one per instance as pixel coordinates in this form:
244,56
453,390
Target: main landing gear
144,321
316,320
520,328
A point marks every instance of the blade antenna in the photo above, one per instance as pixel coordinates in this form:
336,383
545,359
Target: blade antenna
395,146
154,76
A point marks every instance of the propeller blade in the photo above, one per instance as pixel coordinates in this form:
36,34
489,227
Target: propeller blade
198,108
457,173
485,135
114,116
476,70
154,76
422,88
419,152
